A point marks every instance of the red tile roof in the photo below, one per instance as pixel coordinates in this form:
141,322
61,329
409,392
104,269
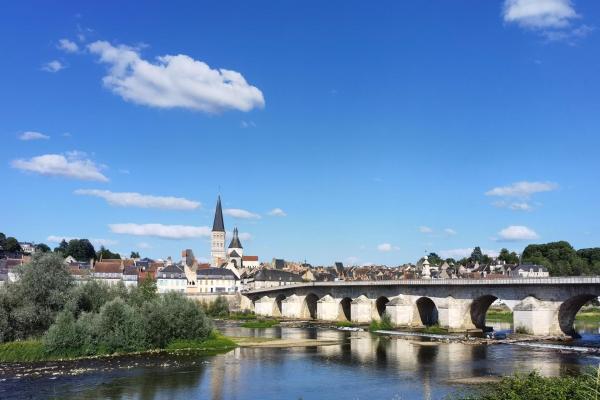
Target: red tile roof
250,258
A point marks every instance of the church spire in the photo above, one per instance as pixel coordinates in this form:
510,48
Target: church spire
218,225
235,242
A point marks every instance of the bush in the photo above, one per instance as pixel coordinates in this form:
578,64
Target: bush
383,324
219,307
121,328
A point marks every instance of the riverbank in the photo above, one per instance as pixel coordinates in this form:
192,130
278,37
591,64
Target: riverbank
591,314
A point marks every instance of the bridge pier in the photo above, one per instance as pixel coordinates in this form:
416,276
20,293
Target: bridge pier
264,306
328,309
400,309
362,310
536,317
291,307
454,314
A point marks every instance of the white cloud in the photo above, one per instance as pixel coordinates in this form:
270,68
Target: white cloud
132,199
161,231
58,239
277,212
539,14
425,229
67,45
522,189
450,231
174,81
387,247
517,233
143,245
245,236
74,166
521,206
53,66
247,124
240,214
32,135
103,242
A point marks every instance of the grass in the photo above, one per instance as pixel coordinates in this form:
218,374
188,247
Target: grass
499,316
33,350
384,324
242,316
344,324
435,329
588,315
265,323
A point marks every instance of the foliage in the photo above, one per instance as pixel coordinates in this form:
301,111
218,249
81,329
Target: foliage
134,254
42,248
344,324
62,247
384,324
11,245
533,386
244,315
25,350
218,308
434,259
30,305
264,323
215,341
499,316
105,254
80,249
508,257
476,255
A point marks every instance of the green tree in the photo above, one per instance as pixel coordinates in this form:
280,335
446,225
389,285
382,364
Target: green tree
434,259
508,257
11,245
476,255
80,249
560,258
105,254
42,248
62,248
2,239
134,254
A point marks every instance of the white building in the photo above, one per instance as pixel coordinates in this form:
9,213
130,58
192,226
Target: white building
171,279
529,271
217,280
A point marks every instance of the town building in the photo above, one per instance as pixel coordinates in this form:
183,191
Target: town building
217,280
171,278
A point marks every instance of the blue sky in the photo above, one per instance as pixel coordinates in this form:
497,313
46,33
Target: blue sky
372,133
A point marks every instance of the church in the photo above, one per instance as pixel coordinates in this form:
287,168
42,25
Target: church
233,257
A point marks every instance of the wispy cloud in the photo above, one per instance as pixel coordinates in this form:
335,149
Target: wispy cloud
515,233
132,199
238,213
161,231
32,135
552,19
97,242
277,212
67,45
387,247
465,252
522,189
73,166
52,66
174,81
425,229
450,232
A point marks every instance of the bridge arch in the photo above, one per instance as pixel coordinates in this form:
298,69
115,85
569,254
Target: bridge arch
567,311
277,307
345,312
380,304
479,308
309,307
428,312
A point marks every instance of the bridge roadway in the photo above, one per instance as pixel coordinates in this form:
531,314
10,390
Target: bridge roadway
541,306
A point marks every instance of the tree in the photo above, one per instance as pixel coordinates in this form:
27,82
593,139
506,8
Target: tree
104,254
42,248
476,255
11,245
80,249
560,258
134,254
508,257
434,259
62,248
2,239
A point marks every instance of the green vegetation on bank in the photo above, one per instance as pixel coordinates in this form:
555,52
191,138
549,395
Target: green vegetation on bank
45,316
584,315
384,323
260,323
435,329
499,316
344,324
533,386
242,316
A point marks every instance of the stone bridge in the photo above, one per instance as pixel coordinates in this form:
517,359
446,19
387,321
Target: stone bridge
541,306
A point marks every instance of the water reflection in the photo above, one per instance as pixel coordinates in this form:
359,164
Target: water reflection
363,366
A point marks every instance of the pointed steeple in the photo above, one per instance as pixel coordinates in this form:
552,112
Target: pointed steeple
218,225
235,241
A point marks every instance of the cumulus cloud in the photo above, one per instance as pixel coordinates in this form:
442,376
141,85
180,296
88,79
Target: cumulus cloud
132,199
174,81
387,247
277,212
161,231
240,214
515,233
522,189
425,229
73,165
553,19
32,135
67,46
53,66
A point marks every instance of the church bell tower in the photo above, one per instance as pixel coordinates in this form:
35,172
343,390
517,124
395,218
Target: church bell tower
217,239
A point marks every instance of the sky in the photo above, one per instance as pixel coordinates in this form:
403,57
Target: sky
333,131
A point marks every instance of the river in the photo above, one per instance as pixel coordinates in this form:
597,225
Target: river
365,366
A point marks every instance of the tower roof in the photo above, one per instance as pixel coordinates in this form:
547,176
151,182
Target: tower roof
235,241
218,225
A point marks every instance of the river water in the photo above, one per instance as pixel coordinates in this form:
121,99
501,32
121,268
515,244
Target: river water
365,366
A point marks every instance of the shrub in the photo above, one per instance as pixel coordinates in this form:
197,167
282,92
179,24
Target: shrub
121,328
63,337
219,307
